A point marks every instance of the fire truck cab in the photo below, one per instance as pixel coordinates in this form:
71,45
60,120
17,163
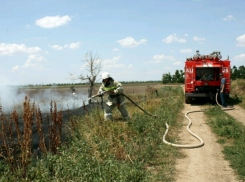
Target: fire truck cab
202,75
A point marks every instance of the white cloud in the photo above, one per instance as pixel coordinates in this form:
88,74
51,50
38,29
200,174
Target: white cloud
115,49
57,47
15,49
198,39
229,18
112,63
34,62
240,57
130,42
53,21
15,68
241,41
173,38
160,58
185,50
73,45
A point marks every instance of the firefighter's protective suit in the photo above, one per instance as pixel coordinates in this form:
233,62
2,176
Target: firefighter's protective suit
114,99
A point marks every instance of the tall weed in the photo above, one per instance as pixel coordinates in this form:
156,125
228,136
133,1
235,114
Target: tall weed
17,146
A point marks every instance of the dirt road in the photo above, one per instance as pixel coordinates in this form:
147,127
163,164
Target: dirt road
205,164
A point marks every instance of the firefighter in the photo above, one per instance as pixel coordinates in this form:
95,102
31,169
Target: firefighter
222,90
115,97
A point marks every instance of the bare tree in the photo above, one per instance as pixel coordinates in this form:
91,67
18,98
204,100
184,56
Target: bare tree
93,66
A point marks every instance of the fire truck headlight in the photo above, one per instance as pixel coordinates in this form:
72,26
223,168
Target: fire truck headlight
191,82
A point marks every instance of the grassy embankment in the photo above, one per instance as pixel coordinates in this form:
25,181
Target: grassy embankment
231,134
110,151
238,92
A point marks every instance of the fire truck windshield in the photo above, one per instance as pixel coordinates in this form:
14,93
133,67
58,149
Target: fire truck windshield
207,74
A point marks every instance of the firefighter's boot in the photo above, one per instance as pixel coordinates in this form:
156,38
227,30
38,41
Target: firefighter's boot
108,113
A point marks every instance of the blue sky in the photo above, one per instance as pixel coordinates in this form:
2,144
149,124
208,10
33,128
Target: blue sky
44,41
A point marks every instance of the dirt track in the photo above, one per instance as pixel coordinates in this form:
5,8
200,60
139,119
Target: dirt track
205,164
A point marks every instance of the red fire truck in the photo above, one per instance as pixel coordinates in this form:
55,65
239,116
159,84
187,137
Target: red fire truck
202,75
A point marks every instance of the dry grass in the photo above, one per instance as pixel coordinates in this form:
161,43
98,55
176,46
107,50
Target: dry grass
238,87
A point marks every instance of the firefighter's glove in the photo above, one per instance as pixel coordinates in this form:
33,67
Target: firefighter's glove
101,93
115,91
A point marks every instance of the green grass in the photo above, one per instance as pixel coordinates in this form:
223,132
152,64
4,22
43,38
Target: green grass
114,151
231,134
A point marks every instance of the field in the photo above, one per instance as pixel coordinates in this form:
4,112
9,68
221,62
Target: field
62,95
94,150
23,161
82,89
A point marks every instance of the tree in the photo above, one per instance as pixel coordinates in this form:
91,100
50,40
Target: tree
241,71
234,73
182,76
174,79
238,72
178,77
93,66
166,78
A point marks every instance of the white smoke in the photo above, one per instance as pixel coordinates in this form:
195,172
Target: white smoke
63,101
11,97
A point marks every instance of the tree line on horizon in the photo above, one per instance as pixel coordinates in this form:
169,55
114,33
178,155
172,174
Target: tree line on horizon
179,75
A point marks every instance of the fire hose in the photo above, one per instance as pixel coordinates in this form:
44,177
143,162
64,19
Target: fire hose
188,128
101,95
139,106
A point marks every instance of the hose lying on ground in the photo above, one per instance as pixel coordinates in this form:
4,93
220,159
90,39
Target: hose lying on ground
167,128
188,128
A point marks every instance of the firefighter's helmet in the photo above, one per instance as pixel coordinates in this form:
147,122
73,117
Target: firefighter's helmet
105,75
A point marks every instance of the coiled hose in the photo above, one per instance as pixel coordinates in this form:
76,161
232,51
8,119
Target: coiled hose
188,128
